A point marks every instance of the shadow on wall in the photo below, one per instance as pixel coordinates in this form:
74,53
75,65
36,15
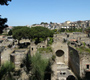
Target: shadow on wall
74,61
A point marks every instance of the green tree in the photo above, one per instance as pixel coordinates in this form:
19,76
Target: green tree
10,32
4,2
40,33
44,23
62,30
37,33
21,32
18,35
3,20
55,30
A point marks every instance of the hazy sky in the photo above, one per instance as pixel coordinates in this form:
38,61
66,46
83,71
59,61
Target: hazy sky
28,12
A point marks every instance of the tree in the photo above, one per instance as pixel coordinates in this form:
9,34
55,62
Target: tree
4,2
3,20
39,66
10,32
44,23
39,33
51,23
62,30
21,32
2,24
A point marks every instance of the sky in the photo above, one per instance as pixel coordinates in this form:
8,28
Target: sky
28,12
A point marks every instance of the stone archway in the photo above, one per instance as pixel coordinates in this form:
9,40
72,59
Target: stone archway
71,77
60,55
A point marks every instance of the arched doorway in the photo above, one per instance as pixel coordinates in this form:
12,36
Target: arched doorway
70,77
60,55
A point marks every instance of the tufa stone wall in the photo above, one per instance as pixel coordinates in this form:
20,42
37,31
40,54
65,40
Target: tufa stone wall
0,58
17,56
84,64
74,61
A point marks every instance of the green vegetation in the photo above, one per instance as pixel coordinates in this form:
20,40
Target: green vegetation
4,2
83,49
10,32
62,30
37,66
71,52
70,30
40,33
3,20
50,41
53,57
5,71
84,44
35,33
27,63
55,31
46,50
88,28
68,42
20,32
44,23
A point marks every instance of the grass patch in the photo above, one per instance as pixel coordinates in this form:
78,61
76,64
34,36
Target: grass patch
47,50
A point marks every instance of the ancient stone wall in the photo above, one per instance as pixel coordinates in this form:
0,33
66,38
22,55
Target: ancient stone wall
34,47
17,56
63,47
0,58
74,61
84,64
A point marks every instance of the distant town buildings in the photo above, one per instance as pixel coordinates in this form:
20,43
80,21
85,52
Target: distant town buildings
66,24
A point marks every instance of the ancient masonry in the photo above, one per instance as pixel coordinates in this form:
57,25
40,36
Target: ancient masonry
60,50
67,55
17,57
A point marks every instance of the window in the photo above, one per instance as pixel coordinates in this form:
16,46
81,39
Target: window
43,46
62,73
87,66
32,49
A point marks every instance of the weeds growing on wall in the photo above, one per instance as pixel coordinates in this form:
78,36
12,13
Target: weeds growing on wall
83,49
46,50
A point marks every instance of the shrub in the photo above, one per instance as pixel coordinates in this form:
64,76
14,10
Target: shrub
5,70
